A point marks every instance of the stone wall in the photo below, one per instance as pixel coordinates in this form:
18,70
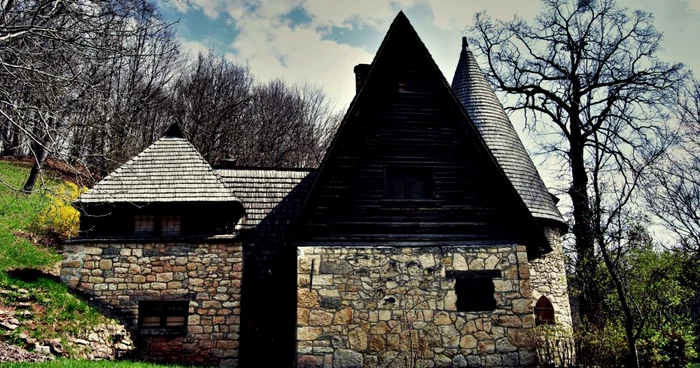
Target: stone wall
117,276
548,278
394,307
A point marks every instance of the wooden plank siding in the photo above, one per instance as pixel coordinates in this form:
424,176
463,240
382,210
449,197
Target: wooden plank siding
418,127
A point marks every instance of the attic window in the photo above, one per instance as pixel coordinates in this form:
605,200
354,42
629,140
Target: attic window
163,314
474,289
544,312
408,183
144,225
170,226
401,86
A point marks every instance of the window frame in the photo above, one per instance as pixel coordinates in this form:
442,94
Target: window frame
544,307
157,226
387,171
163,219
139,220
146,309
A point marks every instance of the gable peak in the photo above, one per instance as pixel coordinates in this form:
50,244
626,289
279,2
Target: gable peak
174,131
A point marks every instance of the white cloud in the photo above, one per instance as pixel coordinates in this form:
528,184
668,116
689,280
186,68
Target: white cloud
212,8
274,49
193,48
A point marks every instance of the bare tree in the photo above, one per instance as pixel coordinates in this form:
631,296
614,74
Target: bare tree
673,191
587,76
589,73
227,115
55,57
209,100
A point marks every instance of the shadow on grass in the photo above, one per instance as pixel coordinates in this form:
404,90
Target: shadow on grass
31,275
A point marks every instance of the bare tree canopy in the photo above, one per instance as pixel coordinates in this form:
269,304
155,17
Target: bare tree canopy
589,82
93,82
227,115
71,67
673,191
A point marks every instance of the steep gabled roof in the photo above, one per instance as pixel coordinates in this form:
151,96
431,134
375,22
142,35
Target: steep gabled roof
401,25
487,113
169,170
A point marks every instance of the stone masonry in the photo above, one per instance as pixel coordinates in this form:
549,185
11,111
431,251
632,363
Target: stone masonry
394,307
116,276
548,278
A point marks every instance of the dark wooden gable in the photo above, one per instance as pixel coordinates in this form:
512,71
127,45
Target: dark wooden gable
406,120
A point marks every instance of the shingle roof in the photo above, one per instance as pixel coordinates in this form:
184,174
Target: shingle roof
170,170
271,197
486,111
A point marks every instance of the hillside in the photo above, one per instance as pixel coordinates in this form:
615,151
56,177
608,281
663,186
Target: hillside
37,312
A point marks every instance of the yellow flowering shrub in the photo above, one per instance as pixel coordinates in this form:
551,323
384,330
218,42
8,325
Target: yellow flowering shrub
60,218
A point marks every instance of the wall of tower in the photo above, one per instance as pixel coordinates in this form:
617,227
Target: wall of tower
548,278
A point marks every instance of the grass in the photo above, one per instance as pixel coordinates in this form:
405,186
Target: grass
64,363
17,214
55,313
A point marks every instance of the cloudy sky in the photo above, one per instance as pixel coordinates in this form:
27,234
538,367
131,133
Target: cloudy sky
320,41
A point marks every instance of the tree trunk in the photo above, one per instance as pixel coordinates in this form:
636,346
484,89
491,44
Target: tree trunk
36,169
633,357
585,266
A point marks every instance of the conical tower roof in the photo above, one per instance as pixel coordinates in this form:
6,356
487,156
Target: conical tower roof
169,170
487,113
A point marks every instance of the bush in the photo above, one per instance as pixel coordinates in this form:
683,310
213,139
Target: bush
669,347
60,219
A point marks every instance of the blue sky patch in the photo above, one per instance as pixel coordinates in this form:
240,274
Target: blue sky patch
298,16
356,36
195,25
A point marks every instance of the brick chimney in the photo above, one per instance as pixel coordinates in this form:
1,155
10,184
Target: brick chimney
361,71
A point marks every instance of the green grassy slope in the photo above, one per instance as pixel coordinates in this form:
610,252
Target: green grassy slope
17,213
52,312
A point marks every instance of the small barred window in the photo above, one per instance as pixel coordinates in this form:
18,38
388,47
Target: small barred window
163,314
171,226
144,225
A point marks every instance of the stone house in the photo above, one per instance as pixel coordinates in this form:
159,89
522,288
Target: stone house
425,238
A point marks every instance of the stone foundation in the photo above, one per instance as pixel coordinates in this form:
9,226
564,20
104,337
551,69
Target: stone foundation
395,307
208,274
548,278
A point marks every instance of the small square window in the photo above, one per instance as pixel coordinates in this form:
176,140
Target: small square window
408,182
144,225
171,226
474,289
163,314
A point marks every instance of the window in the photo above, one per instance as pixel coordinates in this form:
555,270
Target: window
408,182
163,314
151,225
144,225
170,226
401,86
474,290
544,312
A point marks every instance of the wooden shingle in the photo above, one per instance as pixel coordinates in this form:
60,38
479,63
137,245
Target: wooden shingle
487,113
170,170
